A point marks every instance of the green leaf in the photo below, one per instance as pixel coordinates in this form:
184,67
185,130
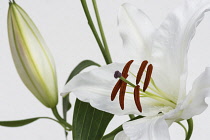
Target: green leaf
88,122
19,123
81,66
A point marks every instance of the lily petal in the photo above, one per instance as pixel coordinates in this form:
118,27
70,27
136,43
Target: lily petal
171,43
135,29
96,86
195,101
121,136
148,128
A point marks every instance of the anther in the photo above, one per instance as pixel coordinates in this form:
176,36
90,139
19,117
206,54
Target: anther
119,83
116,89
124,84
122,94
126,68
137,98
141,70
148,77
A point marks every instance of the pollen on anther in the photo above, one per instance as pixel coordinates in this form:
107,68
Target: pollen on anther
137,98
126,68
122,94
141,70
121,85
116,89
148,77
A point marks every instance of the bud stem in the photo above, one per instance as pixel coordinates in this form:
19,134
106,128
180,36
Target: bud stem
190,128
60,119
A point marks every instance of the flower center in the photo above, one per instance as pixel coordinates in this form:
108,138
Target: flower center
154,92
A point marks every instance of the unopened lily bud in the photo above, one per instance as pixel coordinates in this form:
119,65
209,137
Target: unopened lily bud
32,59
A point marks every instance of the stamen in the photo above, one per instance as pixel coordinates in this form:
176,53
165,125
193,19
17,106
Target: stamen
126,68
119,84
137,98
122,94
123,85
115,89
141,70
148,77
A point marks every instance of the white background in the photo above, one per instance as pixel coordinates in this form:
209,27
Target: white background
64,27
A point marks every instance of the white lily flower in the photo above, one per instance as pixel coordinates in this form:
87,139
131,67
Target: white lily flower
31,56
165,99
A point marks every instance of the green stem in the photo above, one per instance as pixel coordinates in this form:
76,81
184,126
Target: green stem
183,127
128,82
101,30
190,128
131,116
92,27
61,120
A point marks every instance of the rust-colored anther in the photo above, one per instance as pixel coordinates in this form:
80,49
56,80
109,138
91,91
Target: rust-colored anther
116,89
148,77
137,97
118,85
141,70
122,94
126,68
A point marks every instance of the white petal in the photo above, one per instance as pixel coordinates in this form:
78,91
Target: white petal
172,40
121,136
195,101
135,29
96,86
148,128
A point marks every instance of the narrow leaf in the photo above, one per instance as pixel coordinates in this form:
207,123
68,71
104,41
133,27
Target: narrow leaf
18,123
81,66
88,122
